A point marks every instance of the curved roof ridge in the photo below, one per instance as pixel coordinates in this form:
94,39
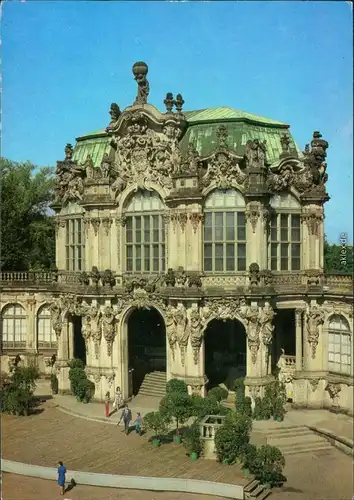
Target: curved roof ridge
226,113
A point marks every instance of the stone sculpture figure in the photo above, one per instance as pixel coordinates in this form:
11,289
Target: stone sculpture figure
171,330
86,328
140,70
314,318
267,327
115,114
182,331
55,314
255,153
253,327
108,328
96,327
196,333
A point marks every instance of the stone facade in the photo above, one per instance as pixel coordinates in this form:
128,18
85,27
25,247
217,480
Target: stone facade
143,173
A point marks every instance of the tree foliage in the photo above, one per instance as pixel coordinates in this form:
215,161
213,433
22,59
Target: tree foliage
27,229
338,258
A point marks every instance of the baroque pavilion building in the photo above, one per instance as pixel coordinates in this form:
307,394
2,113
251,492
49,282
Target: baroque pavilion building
189,244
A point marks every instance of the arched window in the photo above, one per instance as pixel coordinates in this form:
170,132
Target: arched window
224,232
45,333
285,233
339,345
14,327
145,233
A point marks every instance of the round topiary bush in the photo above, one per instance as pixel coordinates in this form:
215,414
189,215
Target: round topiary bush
176,385
219,393
232,437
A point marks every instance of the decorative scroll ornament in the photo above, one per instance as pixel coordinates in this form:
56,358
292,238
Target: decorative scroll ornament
95,221
333,391
313,219
109,328
196,333
69,183
107,222
224,309
190,162
171,330
182,219
314,383
314,318
182,331
223,165
252,214
254,274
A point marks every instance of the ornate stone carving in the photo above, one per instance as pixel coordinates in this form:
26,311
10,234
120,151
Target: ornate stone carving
254,390
252,214
282,179
182,331
179,102
71,303
195,332
314,383
121,221
95,221
315,159
285,143
107,278
190,162
69,185
110,378
95,276
254,274
56,316
313,220
255,154
86,221
107,222
174,219
84,278
140,70
266,321
86,328
333,391
313,277
181,277
109,328
171,330
182,219
141,293
169,102
314,318
223,309
196,219
252,317
115,114
170,277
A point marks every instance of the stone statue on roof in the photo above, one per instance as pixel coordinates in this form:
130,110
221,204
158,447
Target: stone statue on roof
140,70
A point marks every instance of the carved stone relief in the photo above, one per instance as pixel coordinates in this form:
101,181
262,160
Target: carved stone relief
314,318
195,332
196,219
182,331
109,328
107,222
96,221
252,214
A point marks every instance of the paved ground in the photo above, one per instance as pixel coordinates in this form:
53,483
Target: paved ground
28,488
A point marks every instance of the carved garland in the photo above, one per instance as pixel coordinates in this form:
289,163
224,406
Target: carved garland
196,219
252,214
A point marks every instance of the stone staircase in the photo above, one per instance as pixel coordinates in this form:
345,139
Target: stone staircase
256,490
154,385
294,439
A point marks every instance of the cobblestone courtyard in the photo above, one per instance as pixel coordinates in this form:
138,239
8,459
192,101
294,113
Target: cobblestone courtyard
52,435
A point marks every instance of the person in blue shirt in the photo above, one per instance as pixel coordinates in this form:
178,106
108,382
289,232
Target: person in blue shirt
61,476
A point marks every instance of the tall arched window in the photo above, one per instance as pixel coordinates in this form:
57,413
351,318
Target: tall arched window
75,245
13,327
145,233
285,233
224,232
339,345
45,334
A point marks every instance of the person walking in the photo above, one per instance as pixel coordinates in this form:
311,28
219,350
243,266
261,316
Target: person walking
61,476
126,417
138,424
107,400
117,399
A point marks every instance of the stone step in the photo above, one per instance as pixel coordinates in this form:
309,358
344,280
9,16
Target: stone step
309,439
255,490
154,384
295,449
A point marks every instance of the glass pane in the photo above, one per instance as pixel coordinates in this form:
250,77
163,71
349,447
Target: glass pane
241,264
155,251
295,250
208,233
230,264
295,264
295,221
208,264
230,233
146,258
284,264
129,235
284,220
241,250
274,250
219,227
284,250
241,233
273,220
219,264
129,224
274,234
284,234
295,234
230,219
137,252
155,221
138,236
138,264
241,219
129,252
208,251
230,251
219,251
208,219
137,222
273,264
129,265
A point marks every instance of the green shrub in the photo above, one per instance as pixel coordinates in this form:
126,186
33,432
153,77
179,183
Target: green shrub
17,393
25,377
239,386
219,393
232,437
156,422
274,399
249,457
258,409
76,363
177,405
192,440
54,383
176,385
268,466
201,407
81,387
85,390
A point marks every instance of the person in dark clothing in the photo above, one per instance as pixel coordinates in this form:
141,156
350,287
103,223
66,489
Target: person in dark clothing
126,417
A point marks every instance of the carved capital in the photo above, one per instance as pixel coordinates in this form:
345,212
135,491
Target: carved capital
121,221
107,222
196,219
95,221
252,214
313,220
182,219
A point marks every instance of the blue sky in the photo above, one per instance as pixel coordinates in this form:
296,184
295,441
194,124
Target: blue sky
63,63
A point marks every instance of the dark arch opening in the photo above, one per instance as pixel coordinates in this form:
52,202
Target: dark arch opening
79,342
225,352
146,345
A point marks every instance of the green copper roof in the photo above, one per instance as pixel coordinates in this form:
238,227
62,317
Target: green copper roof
201,131
217,114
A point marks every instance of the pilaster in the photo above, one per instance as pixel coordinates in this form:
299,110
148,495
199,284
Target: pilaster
299,318
31,340
313,236
60,241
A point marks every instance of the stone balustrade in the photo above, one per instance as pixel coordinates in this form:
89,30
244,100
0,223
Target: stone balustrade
208,427
27,277
287,367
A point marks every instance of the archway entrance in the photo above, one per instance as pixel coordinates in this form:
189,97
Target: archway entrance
79,346
146,346
225,352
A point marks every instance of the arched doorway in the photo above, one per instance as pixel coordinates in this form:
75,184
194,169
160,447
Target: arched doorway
146,346
225,352
79,347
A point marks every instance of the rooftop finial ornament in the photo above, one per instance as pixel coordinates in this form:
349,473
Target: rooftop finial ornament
140,70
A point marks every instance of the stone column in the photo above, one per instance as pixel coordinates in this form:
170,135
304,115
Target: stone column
194,232
63,358
105,242
93,241
313,235
257,233
60,253
31,340
299,328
